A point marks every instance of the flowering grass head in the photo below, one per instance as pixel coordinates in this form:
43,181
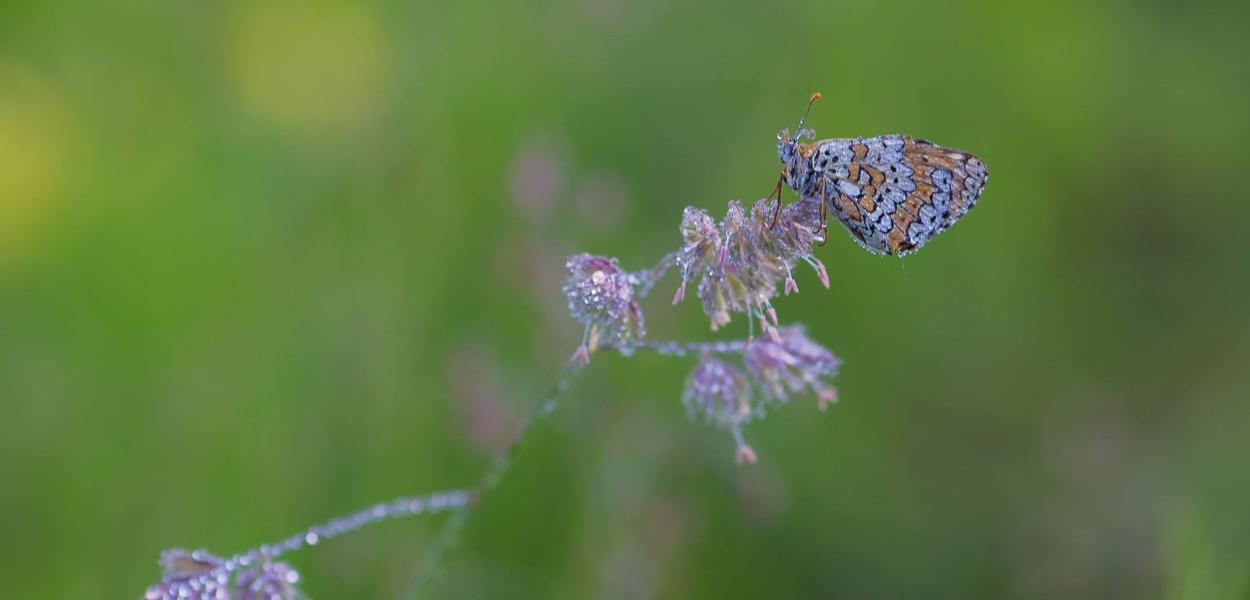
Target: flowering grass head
268,581
257,574
740,263
718,392
602,297
198,575
792,364
721,394
193,575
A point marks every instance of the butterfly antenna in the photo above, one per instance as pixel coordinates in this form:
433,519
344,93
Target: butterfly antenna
815,96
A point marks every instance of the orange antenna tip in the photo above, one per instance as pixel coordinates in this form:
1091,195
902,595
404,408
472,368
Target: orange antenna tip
815,97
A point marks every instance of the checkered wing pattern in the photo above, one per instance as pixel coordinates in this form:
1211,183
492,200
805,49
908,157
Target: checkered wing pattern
895,192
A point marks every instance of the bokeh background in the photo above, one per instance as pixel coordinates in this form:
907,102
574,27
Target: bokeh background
264,263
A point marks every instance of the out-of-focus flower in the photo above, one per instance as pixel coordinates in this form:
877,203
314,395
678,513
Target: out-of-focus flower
745,455
792,364
309,67
37,129
718,392
741,262
603,200
721,394
268,581
476,382
537,175
602,297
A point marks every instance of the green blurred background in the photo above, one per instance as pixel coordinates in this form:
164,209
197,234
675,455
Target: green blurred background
265,263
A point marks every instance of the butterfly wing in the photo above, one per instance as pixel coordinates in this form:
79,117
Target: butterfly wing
893,193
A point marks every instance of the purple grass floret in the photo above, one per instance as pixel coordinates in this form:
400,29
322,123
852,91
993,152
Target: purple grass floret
602,297
740,263
791,365
718,392
721,394
268,581
698,256
193,575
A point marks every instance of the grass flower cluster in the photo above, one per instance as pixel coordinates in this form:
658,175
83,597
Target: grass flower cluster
739,265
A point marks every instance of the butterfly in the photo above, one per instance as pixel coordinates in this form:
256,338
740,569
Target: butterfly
892,192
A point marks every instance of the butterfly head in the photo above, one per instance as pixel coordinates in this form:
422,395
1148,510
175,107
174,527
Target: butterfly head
794,154
794,157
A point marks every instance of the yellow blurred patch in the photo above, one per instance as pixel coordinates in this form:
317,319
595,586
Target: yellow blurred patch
34,130
310,68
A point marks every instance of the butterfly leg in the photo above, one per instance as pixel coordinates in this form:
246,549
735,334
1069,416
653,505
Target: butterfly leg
824,217
777,192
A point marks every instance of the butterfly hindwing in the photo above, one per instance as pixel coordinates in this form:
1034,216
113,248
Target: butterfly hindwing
893,193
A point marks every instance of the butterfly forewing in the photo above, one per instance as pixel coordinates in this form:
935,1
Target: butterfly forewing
894,192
